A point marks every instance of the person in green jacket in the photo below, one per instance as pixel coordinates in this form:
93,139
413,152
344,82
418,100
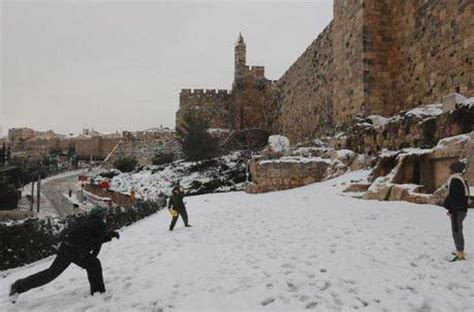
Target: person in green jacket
177,207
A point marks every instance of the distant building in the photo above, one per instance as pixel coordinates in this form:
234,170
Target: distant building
17,134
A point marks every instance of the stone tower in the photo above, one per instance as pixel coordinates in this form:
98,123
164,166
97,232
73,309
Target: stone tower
240,51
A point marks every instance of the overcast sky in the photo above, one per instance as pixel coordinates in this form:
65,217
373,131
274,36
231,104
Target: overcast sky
115,65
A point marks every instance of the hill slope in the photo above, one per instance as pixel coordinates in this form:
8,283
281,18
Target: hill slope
307,248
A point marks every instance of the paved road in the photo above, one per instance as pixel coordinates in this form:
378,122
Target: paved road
54,191
54,188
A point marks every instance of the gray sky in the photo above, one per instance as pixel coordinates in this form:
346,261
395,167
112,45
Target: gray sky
118,65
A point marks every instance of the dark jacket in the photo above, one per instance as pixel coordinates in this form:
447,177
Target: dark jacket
176,202
87,235
458,193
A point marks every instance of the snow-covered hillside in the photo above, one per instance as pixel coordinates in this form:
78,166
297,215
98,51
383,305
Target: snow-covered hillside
220,174
305,248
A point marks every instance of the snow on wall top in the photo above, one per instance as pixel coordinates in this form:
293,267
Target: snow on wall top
431,110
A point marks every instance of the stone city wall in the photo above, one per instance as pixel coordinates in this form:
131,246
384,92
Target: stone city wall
209,105
431,51
304,94
375,57
144,146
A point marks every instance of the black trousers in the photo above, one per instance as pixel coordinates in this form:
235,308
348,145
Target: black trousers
66,255
456,227
184,216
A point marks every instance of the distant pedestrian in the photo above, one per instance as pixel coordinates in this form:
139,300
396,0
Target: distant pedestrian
177,207
81,246
456,204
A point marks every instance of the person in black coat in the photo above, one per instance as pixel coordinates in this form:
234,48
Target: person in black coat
80,245
176,204
456,203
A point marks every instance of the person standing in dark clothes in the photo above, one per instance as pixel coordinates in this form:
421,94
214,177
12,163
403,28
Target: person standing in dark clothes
80,245
176,204
456,204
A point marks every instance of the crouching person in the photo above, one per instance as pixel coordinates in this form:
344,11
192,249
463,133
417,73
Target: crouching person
456,203
80,245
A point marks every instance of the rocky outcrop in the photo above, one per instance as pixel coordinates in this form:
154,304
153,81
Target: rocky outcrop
420,127
419,175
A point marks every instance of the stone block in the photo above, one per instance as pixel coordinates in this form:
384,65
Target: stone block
308,180
277,181
398,192
379,190
450,147
357,188
450,101
419,198
295,181
273,173
359,163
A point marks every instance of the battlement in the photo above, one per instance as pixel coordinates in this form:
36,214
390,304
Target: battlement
204,92
258,70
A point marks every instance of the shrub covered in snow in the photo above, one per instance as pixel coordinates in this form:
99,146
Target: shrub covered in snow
198,143
126,164
162,158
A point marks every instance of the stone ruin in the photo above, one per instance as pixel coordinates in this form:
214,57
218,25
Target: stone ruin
410,154
419,176
282,167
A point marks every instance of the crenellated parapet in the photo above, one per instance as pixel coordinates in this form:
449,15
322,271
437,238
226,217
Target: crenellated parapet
205,98
211,105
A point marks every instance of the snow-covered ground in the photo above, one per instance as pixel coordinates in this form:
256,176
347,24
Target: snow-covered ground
306,248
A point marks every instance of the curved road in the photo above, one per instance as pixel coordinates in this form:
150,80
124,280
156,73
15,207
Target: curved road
53,189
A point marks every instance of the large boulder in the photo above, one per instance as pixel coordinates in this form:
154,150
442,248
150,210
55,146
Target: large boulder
406,192
278,144
360,162
380,189
455,146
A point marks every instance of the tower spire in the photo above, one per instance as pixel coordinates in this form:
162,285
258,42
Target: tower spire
240,39
240,51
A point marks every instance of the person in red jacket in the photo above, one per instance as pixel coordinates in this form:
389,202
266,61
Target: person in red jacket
456,203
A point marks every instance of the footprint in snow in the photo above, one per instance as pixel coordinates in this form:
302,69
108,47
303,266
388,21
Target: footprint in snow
268,301
311,305
303,298
323,285
291,287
